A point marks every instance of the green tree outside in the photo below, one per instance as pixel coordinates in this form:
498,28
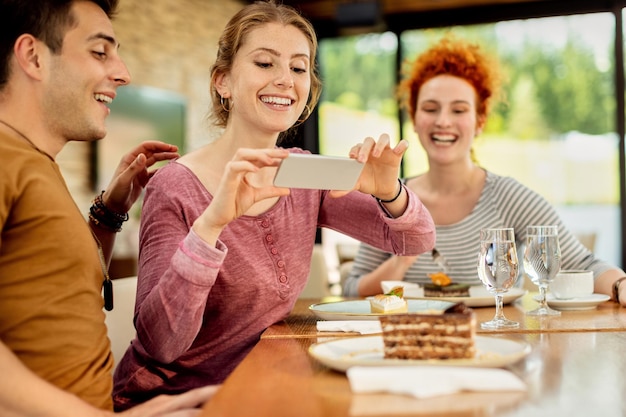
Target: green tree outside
551,93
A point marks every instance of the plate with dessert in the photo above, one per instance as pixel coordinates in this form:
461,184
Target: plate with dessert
361,309
446,338
392,302
443,288
478,296
342,353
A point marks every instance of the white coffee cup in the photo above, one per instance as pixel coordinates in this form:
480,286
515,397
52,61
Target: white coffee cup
569,284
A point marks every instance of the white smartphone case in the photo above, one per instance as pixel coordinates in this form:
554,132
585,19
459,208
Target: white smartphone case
318,172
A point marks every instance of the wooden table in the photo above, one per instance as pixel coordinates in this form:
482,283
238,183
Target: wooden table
607,316
577,367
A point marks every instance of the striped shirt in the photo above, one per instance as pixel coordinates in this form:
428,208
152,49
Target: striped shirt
504,202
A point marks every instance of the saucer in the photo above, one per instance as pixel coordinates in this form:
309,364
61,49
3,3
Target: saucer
581,303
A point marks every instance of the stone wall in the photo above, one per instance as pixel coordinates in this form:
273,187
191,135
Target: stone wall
171,45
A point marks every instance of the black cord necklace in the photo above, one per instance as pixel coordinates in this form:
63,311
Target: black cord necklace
26,139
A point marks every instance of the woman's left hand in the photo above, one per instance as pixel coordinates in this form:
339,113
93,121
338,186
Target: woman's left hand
132,174
382,166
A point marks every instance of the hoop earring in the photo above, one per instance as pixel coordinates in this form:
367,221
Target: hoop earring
222,100
307,111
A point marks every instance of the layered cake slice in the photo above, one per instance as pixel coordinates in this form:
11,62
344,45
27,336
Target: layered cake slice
391,302
445,334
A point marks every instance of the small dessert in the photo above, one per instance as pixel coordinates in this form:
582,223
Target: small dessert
391,302
442,286
445,334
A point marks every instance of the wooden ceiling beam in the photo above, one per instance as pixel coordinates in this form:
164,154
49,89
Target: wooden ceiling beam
400,15
327,9
404,6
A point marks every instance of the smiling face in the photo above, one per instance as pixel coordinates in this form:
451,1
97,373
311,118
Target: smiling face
82,79
445,118
269,82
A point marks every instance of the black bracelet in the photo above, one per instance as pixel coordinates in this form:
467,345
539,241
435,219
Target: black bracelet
104,217
616,288
393,199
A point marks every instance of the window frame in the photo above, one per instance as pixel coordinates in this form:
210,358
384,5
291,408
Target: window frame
400,22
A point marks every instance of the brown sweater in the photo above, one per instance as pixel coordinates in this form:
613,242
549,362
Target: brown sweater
50,277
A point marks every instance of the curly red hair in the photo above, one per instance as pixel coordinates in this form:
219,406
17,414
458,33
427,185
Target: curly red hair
454,57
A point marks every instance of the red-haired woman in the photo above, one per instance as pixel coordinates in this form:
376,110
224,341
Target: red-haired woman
448,92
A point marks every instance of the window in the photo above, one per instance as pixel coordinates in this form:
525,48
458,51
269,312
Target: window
556,132
358,75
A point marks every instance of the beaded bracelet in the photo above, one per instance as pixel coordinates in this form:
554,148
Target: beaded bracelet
393,199
104,217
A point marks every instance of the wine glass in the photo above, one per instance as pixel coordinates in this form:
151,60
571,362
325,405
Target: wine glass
497,268
542,261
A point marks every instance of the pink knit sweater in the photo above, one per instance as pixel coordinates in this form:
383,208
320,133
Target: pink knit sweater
200,309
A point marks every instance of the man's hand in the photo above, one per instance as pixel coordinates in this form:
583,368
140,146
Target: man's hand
183,405
132,174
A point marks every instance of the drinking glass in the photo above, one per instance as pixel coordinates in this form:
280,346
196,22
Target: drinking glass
542,261
497,268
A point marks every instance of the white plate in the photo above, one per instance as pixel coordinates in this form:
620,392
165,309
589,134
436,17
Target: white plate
583,303
480,297
341,354
361,310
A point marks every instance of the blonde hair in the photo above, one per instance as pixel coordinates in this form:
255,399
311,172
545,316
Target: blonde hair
234,35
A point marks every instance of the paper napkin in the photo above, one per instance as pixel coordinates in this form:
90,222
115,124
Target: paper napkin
431,381
358,326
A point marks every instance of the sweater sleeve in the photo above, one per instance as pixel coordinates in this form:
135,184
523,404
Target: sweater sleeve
177,270
412,233
521,207
367,260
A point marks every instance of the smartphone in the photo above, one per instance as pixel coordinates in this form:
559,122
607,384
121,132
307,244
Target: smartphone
318,172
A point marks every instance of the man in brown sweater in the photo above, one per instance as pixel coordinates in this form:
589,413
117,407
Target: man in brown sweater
59,69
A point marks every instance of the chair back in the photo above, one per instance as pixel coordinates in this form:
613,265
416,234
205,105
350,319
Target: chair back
119,321
317,285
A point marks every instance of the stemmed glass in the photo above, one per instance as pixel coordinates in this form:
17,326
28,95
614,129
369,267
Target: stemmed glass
498,268
542,261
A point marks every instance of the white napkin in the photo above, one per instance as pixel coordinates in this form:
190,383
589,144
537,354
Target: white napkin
359,326
430,381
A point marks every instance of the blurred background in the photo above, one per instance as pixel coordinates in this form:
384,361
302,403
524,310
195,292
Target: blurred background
559,130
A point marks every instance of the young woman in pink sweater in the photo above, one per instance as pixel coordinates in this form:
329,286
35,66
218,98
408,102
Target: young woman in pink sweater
224,253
